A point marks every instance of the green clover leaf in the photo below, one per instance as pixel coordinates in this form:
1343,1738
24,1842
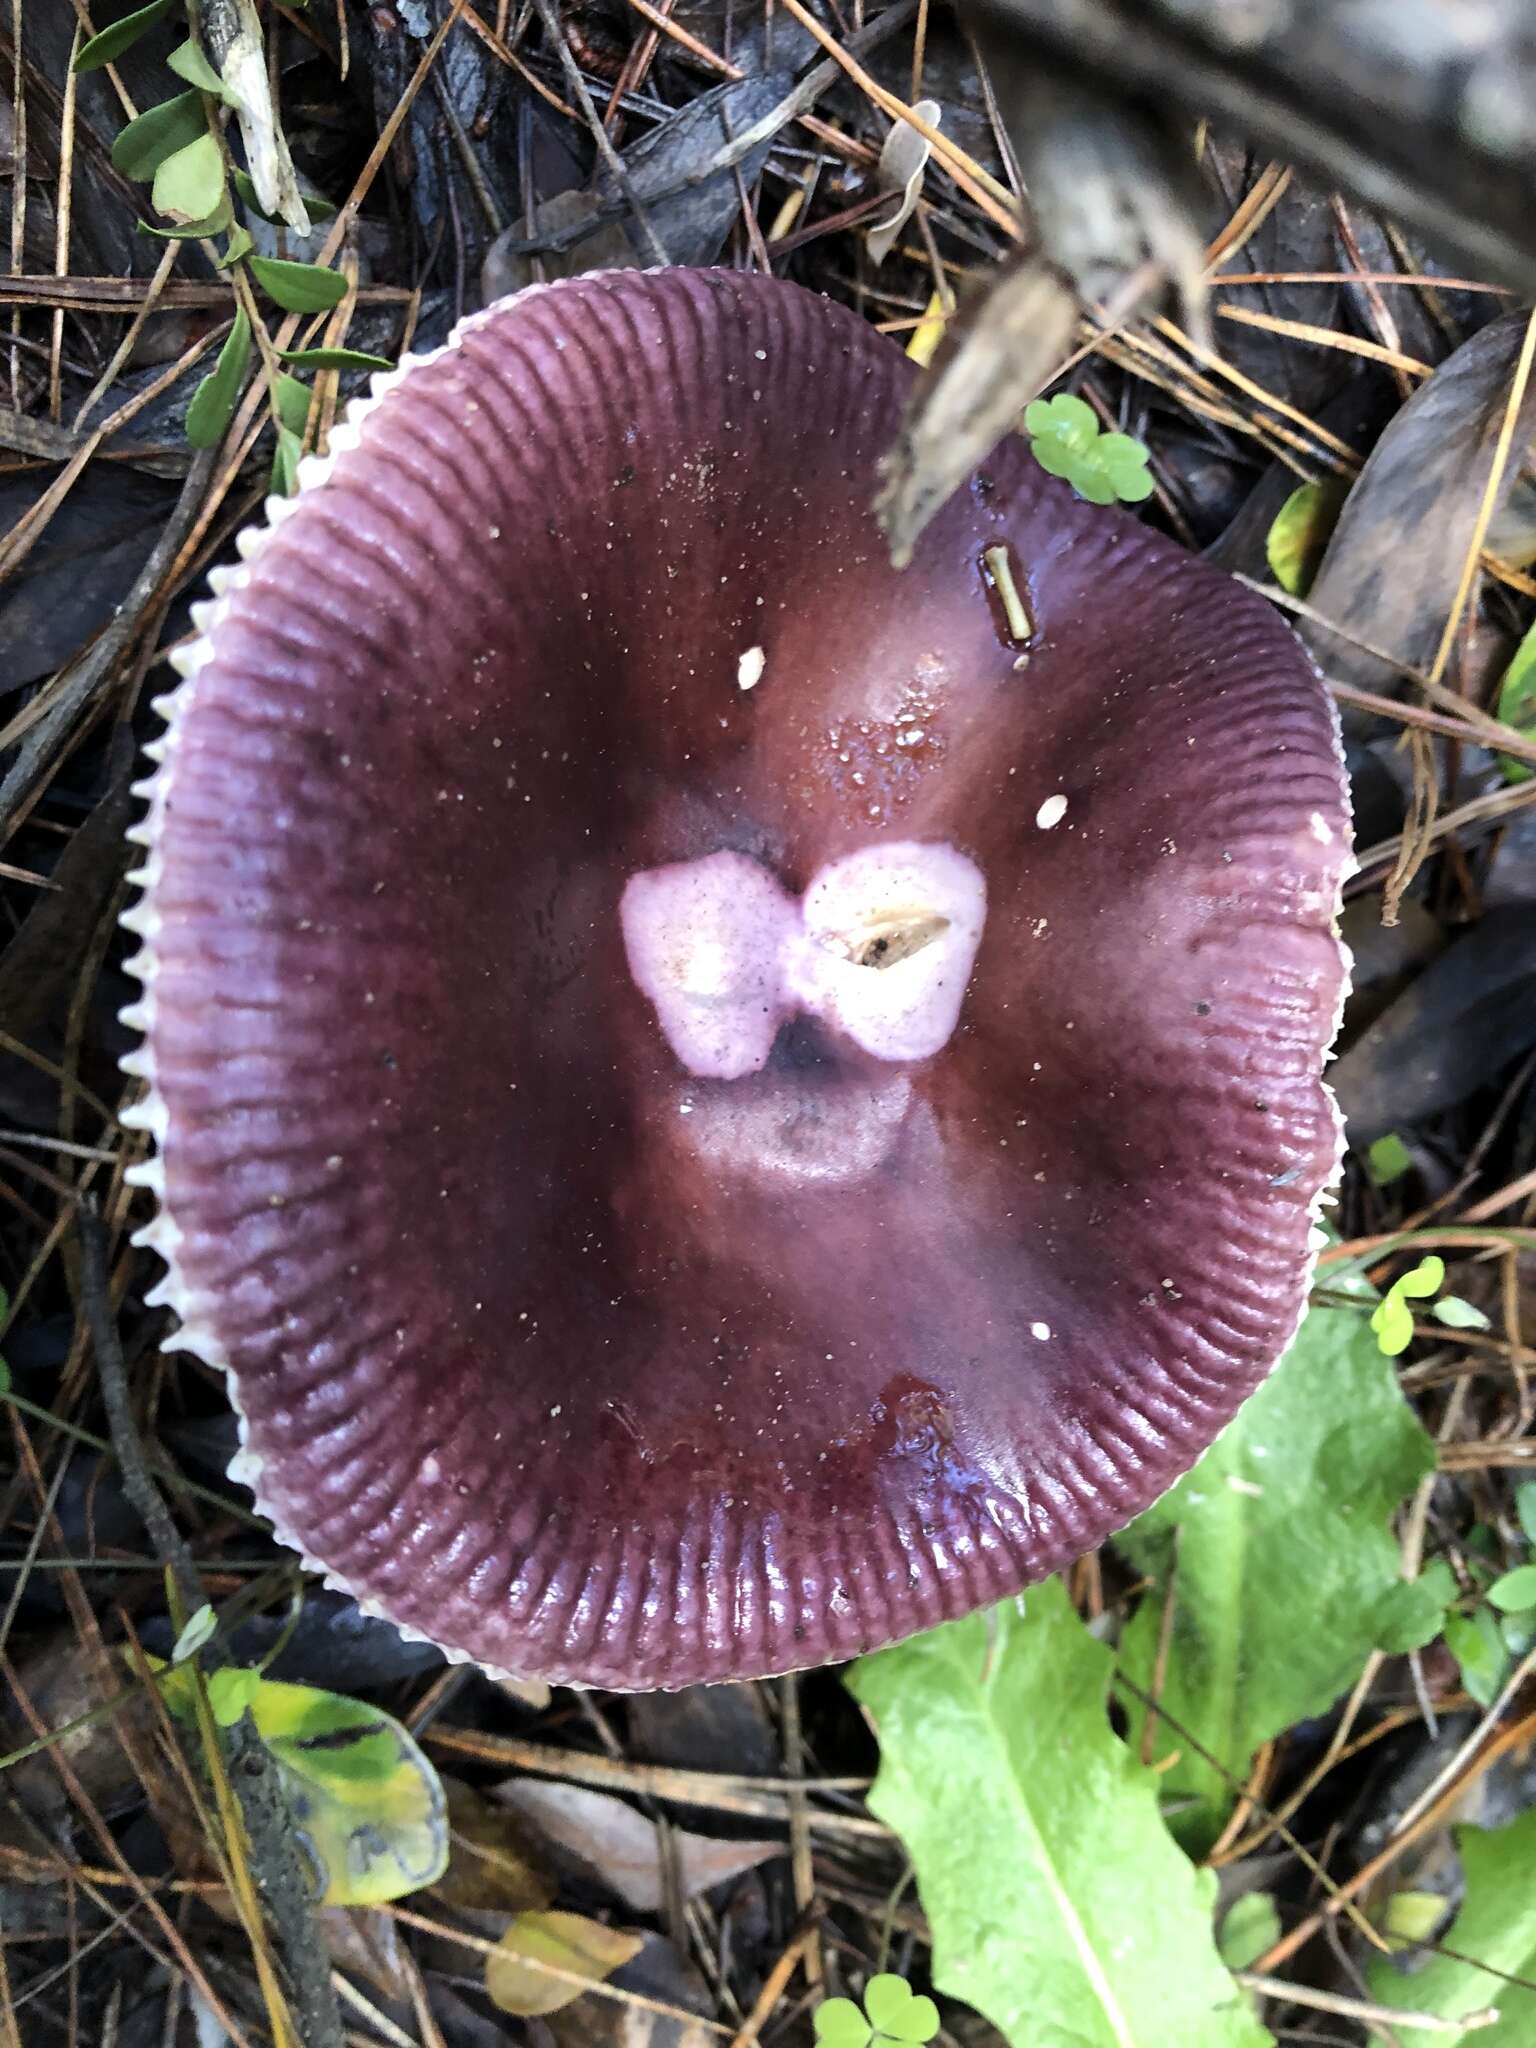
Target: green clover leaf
1066,442
891,2013
840,2024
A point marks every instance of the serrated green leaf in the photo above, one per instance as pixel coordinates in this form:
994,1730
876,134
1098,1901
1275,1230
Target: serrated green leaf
1515,1591
120,36
1295,544
1387,1158
298,287
214,400
317,209
188,62
1516,705
143,146
189,183
334,359
1281,1560
1495,1927
1059,1907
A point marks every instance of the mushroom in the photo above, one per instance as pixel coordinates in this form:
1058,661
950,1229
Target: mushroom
720,1104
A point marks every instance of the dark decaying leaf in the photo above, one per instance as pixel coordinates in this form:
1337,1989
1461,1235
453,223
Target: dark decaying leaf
681,172
705,1728
1470,1014
1390,573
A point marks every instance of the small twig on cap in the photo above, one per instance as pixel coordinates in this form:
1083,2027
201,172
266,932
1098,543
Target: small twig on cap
272,1850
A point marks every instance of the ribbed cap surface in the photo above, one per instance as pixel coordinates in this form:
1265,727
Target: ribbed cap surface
578,1364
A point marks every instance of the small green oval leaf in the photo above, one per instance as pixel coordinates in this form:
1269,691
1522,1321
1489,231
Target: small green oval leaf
1516,705
143,146
199,1629
1515,1591
334,359
285,462
298,287
1457,1314
188,62
213,402
1303,526
292,401
120,36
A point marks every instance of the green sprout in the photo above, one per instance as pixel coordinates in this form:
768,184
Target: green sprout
890,2012
1392,1318
179,149
1065,437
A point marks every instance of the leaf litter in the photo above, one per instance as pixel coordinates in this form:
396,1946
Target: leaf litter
1136,1808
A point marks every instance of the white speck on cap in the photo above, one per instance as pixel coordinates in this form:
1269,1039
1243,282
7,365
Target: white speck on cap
1051,812
1040,1330
1321,829
749,670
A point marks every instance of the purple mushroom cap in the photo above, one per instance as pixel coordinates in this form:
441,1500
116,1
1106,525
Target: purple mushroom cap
721,1104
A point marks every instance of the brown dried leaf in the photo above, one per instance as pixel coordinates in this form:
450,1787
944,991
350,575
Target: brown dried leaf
610,1841
516,1980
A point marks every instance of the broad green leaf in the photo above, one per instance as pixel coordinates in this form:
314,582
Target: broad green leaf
214,400
143,146
190,182
188,62
334,359
366,1804
1515,1591
1295,544
1278,1552
570,1941
1059,1907
1496,1926
120,36
298,287
1516,704
317,209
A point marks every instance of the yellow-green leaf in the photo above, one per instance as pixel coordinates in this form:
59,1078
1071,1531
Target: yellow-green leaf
367,1805
1301,532
299,287
518,1978
189,184
1517,705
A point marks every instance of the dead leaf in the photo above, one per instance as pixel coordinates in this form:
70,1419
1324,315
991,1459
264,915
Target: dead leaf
902,163
1390,573
619,1847
492,1862
994,359
661,1972
366,1941
517,1979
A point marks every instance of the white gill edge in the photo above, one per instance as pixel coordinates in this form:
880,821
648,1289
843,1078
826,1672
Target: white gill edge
197,1329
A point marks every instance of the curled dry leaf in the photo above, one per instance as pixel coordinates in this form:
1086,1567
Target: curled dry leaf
989,367
532,1970
614,1843
902,163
